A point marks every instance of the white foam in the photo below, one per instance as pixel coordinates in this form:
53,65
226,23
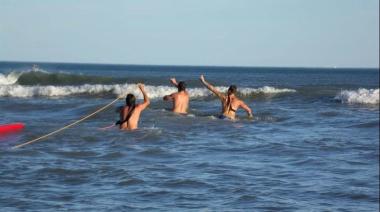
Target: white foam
14,90
360,96
266,90
263,90
10,78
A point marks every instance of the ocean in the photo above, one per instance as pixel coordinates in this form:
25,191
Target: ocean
313,144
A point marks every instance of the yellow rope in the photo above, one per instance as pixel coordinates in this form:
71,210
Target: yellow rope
70,125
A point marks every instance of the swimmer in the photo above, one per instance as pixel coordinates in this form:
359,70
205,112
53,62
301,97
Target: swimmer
180,99
230,102
130,113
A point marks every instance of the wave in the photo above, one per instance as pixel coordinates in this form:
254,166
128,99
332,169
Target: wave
38,76
265,90
10,78
15,90
360,96
37,82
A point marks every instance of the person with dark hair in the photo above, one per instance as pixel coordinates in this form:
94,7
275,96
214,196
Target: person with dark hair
230,102
180,99
130,113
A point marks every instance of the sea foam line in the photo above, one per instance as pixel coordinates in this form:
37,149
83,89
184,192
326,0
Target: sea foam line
15,90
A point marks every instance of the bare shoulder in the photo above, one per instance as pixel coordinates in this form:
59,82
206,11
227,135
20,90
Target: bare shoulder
241,101
184,93
139,106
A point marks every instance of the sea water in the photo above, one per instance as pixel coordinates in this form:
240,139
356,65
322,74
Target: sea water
313,144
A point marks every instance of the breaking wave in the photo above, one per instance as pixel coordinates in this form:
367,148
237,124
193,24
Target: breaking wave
119,89
39,83
10,78
41,77
360,96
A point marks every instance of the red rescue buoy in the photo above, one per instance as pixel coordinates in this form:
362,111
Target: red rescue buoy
11,128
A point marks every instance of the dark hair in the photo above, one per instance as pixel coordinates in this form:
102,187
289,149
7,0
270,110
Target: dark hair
181,86
232,89
130,100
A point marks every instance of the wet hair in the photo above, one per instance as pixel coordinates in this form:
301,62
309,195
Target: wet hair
130,100
181,86
232,89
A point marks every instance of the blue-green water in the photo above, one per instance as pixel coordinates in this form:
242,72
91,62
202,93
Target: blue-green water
313,144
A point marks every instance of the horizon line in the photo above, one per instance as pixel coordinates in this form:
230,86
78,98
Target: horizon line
213,66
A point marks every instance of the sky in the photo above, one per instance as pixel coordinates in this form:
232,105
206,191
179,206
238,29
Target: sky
276,33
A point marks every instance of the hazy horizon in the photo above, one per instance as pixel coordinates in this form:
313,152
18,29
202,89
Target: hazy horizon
180,65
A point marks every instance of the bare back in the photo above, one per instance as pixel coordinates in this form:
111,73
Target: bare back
180,102
129,117
133,120
230,106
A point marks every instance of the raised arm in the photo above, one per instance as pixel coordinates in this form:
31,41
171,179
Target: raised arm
174,82
211,88
146,98
247,109
170,97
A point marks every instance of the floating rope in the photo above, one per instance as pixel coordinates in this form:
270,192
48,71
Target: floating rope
67,126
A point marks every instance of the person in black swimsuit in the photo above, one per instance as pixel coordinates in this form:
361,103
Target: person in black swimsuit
130,113
230,102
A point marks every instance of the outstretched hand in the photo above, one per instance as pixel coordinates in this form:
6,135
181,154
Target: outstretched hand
202,78
141,86
173,80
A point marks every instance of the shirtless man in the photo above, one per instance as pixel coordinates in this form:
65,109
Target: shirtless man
180,99
130,113
230,103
